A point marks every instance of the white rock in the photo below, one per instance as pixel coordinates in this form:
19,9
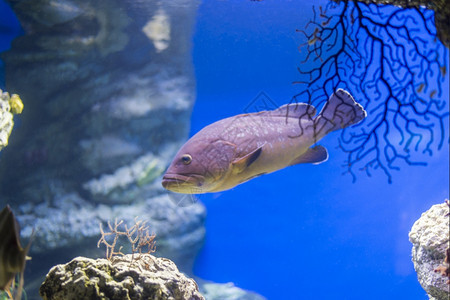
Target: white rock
430,238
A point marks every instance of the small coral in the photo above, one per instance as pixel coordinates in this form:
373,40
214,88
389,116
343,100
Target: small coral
9,105
138,236
16,104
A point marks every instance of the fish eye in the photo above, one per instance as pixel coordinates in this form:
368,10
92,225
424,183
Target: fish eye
186,159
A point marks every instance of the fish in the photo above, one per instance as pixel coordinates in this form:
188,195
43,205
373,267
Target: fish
12,255
237,149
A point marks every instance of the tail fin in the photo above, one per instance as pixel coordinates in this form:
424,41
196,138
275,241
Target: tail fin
340,111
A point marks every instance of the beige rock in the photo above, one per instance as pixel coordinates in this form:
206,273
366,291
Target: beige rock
124,277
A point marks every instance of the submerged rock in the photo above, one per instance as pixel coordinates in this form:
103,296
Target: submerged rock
124,277
228,291
430,238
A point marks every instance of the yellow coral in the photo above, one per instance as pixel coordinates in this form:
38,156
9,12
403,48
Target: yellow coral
16,104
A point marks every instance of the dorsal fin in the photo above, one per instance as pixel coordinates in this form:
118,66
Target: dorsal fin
293,110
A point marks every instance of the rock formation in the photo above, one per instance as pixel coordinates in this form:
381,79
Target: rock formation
125,277
430,238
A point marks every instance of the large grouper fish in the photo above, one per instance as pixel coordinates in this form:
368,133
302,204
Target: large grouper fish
236,149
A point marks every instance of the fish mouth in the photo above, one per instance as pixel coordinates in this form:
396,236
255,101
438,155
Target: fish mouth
182,183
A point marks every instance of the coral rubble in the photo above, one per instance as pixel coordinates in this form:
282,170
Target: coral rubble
430,238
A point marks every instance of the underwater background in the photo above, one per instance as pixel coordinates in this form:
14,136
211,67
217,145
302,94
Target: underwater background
307,231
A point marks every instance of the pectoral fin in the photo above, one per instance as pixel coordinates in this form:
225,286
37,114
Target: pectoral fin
314,155
241,163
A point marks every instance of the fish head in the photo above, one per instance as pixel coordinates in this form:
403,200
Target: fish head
199,166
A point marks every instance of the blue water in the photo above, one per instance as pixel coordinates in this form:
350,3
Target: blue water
305,232
9,29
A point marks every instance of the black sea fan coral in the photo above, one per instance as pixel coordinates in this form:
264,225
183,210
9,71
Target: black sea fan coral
138,236
391,61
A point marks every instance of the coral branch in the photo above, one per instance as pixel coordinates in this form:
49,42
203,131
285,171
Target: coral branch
138,236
